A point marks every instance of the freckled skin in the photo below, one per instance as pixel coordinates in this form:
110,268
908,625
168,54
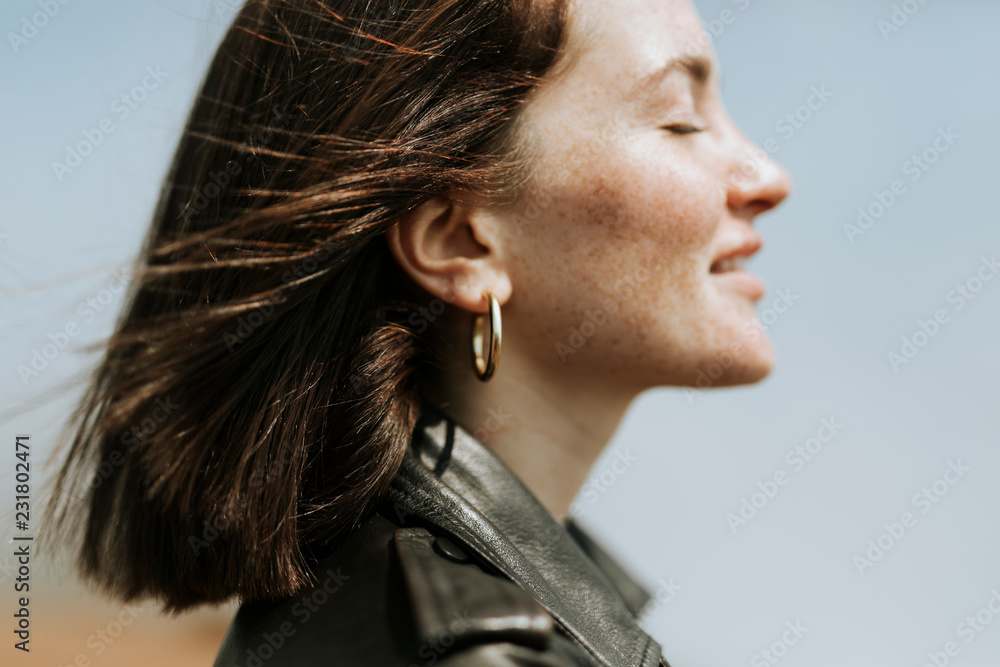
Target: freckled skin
642,198
621,224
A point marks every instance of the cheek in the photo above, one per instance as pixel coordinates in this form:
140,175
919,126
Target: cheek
654,214
633,232
631,208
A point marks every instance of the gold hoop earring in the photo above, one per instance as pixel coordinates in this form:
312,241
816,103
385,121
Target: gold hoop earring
486,368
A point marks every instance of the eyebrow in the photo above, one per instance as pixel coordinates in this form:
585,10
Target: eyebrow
699,68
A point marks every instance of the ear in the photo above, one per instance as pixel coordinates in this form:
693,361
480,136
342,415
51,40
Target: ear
452,249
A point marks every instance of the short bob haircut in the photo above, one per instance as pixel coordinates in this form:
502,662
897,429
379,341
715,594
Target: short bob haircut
262,382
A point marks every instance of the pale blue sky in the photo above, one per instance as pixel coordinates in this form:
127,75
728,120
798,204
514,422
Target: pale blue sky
891,97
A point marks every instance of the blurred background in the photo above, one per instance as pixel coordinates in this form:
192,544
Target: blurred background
843,511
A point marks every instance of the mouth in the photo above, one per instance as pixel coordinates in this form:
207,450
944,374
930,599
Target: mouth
728,264
729,268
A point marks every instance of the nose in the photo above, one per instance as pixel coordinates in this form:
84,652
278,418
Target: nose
756,183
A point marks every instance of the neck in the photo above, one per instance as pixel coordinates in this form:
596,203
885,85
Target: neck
549,434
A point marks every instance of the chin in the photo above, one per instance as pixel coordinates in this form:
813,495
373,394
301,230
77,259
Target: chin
743,362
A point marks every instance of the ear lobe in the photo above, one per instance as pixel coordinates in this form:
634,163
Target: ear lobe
440,246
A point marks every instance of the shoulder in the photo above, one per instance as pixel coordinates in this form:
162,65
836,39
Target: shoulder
348,612
392,595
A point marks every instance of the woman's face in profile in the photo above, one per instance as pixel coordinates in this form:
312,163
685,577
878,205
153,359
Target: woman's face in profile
644,185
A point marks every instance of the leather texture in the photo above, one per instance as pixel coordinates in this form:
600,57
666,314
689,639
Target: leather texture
460,566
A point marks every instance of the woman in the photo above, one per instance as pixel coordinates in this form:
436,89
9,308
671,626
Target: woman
289,411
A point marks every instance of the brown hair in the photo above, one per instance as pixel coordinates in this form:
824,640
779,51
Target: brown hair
262,383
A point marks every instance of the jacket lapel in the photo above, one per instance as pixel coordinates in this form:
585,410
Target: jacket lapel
453,481
633,594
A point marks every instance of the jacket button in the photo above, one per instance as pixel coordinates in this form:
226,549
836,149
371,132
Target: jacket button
450,550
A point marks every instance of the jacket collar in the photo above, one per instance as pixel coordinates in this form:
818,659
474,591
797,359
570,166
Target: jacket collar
458,484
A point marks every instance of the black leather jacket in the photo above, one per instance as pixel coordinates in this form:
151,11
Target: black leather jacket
460,567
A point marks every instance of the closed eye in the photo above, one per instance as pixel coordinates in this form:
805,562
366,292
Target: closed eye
683,128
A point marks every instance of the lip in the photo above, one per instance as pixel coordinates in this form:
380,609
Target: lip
746,247
740,280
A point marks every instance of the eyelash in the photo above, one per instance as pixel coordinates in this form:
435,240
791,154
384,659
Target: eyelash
684,128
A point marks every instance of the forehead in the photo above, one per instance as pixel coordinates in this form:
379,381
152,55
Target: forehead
620,44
